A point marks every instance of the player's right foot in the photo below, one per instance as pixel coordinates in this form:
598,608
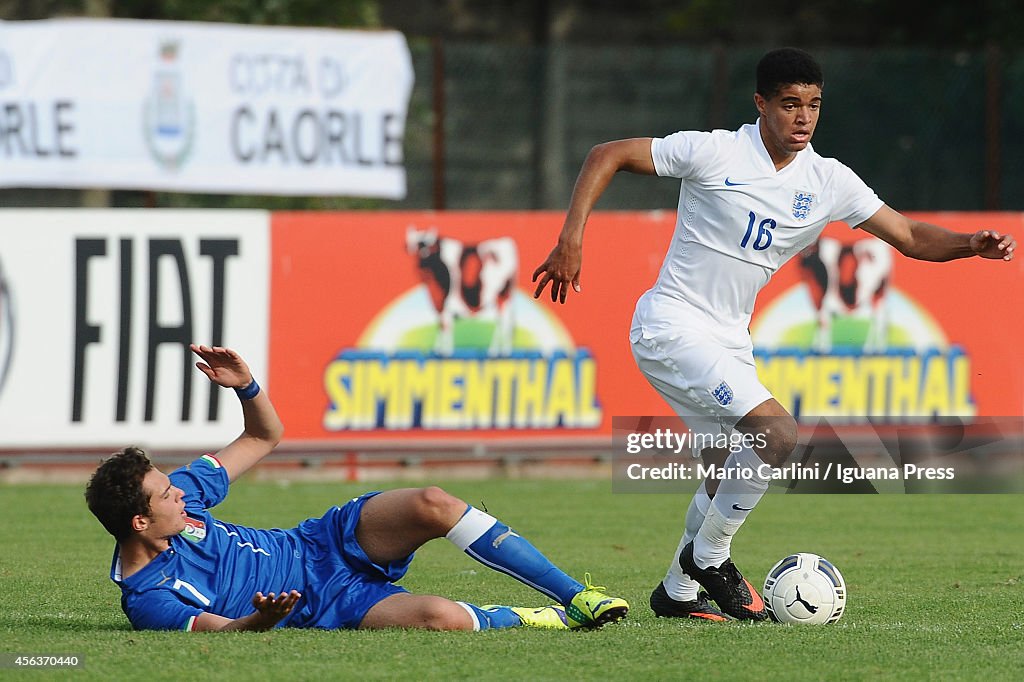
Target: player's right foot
730,590
592,608
700,608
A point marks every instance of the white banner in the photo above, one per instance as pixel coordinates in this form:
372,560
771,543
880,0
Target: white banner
97,309
194,107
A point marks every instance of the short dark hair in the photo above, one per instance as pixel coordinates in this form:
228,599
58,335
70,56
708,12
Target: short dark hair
785,66
115,494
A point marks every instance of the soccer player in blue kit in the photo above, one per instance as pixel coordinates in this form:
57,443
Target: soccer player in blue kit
180,568
749,200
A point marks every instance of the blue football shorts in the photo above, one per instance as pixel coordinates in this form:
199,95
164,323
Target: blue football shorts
343,583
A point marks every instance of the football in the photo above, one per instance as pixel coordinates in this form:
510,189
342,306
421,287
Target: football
805,588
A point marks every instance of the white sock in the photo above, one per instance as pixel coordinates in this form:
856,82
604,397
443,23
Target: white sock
473,524
736,497
679,585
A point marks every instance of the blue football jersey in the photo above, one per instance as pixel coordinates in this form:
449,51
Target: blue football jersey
212,566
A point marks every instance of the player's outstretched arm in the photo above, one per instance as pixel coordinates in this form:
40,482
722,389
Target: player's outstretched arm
925,241
270,610
262,427
562,267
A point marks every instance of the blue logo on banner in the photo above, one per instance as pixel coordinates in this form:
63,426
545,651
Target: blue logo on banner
169,115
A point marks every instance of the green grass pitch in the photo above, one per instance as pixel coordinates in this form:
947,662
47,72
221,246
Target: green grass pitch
935,592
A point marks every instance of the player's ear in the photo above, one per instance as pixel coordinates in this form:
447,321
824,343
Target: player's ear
761,103
140,523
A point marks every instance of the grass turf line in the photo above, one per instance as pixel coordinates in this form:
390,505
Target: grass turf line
935,591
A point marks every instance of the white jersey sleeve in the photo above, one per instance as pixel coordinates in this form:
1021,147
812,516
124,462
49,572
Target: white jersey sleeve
854,201
684,154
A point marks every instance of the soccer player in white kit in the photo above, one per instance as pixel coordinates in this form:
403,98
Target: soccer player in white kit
749,200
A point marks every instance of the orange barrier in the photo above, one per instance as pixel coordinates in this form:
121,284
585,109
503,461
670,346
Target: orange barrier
364,343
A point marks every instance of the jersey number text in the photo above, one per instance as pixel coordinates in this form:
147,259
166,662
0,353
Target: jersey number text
764,238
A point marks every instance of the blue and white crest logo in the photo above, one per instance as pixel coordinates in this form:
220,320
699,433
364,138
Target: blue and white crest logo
6,329
723,394
803,202
169,117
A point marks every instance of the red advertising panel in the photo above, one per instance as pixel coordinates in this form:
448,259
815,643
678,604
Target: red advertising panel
423,325
367,343
852,328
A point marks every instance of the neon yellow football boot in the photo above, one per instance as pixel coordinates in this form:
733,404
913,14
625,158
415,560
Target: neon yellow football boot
592,608
550,617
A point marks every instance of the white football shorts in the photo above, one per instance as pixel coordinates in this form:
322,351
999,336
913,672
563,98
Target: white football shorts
708,386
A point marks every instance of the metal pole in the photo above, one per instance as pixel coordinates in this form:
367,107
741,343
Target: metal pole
438,102
97,197
993,127
718,102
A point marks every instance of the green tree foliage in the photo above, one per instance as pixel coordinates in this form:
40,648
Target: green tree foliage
347,14
934,23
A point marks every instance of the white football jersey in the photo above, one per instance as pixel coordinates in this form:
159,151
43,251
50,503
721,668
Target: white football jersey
739,220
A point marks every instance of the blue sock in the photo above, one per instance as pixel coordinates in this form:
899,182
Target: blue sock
492,616
494,544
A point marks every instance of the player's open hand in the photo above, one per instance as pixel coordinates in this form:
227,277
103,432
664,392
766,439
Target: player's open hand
991,244
561,269
223,366
272,608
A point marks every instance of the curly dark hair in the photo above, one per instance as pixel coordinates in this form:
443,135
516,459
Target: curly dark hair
785,66
115,494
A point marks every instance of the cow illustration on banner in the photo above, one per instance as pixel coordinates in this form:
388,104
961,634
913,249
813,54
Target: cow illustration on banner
847,341
467,280
462,348
847,280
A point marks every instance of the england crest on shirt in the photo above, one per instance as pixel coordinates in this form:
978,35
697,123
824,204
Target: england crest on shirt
803,202
723,394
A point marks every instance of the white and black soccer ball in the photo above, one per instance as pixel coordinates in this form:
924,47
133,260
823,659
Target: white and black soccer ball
805,588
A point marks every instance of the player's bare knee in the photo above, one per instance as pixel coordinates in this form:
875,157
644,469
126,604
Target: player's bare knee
780,436
441,614
436,507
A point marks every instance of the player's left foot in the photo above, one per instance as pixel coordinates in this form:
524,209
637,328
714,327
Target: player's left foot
551,617
592,608
727,586
700,608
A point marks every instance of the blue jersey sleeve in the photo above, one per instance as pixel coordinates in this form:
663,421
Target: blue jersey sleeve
204,482
158,610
